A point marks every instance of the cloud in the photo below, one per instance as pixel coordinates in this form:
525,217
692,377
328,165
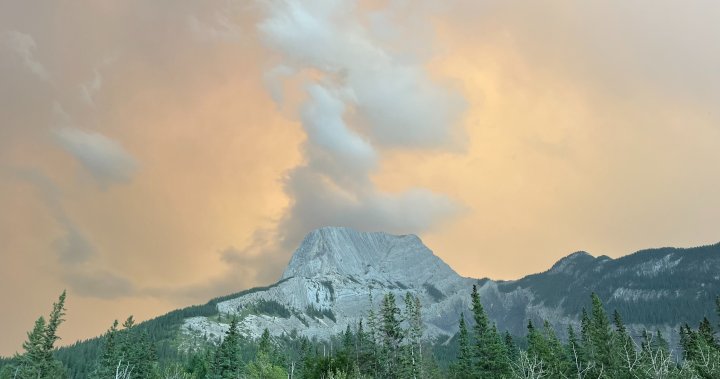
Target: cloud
261,262
102,157
363,95
98,283
90,88
73,247
218,28
24,46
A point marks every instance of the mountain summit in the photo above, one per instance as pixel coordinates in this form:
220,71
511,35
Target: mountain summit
376,257
337,274
331,280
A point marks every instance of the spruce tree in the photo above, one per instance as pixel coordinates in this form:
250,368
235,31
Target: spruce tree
624,355
38,361
109,355
600,339
373,334
392,335
464,358
510,346
227,363
576,354
491,356
413,318
706,332
31,362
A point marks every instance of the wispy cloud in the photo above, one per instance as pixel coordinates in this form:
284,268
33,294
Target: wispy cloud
24,46
105,159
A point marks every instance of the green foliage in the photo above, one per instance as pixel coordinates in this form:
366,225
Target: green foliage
263,368
491,358
270,308
389,345
463,369
320,313
38,361
227,363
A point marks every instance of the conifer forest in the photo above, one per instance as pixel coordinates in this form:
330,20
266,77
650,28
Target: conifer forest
387,343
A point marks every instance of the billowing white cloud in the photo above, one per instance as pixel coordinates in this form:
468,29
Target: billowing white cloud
364,95
102,157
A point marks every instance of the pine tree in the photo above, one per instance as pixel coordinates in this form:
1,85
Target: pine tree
624,355
600,339
109,355
227,363
392,335
265,344
510,346
490,353
373,333
38,361
54,321
31,362
134,350
717,308
576,354
413,348
706,332
464,358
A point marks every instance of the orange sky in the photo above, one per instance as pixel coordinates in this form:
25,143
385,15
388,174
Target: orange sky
147,163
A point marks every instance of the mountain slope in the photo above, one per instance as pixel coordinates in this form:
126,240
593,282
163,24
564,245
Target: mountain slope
328,282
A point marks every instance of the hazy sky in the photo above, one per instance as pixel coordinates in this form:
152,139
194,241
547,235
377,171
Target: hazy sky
155,154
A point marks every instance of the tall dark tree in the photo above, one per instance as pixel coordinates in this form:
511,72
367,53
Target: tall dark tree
109,355
392,335
490,354
228,363
600,336
707,332
464,357
38,361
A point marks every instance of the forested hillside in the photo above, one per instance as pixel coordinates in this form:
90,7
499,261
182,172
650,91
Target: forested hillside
386,343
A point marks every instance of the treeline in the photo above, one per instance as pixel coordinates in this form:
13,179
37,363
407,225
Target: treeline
387,343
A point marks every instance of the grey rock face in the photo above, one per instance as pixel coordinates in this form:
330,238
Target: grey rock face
331,277
329,281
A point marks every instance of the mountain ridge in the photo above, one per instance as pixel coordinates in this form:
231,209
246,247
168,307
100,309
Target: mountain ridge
328,282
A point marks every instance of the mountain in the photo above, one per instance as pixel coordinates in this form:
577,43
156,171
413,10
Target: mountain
329,282
332,275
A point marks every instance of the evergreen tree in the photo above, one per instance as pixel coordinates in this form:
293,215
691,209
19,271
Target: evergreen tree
599,348
227,363
263,368
547,348
706,332
624,355
392,335
265,344
31,362
373,334
109,355
512,350
38,361
717,308
464,358
576,354
413,348
491,356
135,351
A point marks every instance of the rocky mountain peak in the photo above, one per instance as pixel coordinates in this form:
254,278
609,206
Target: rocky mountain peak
572,262
363,255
